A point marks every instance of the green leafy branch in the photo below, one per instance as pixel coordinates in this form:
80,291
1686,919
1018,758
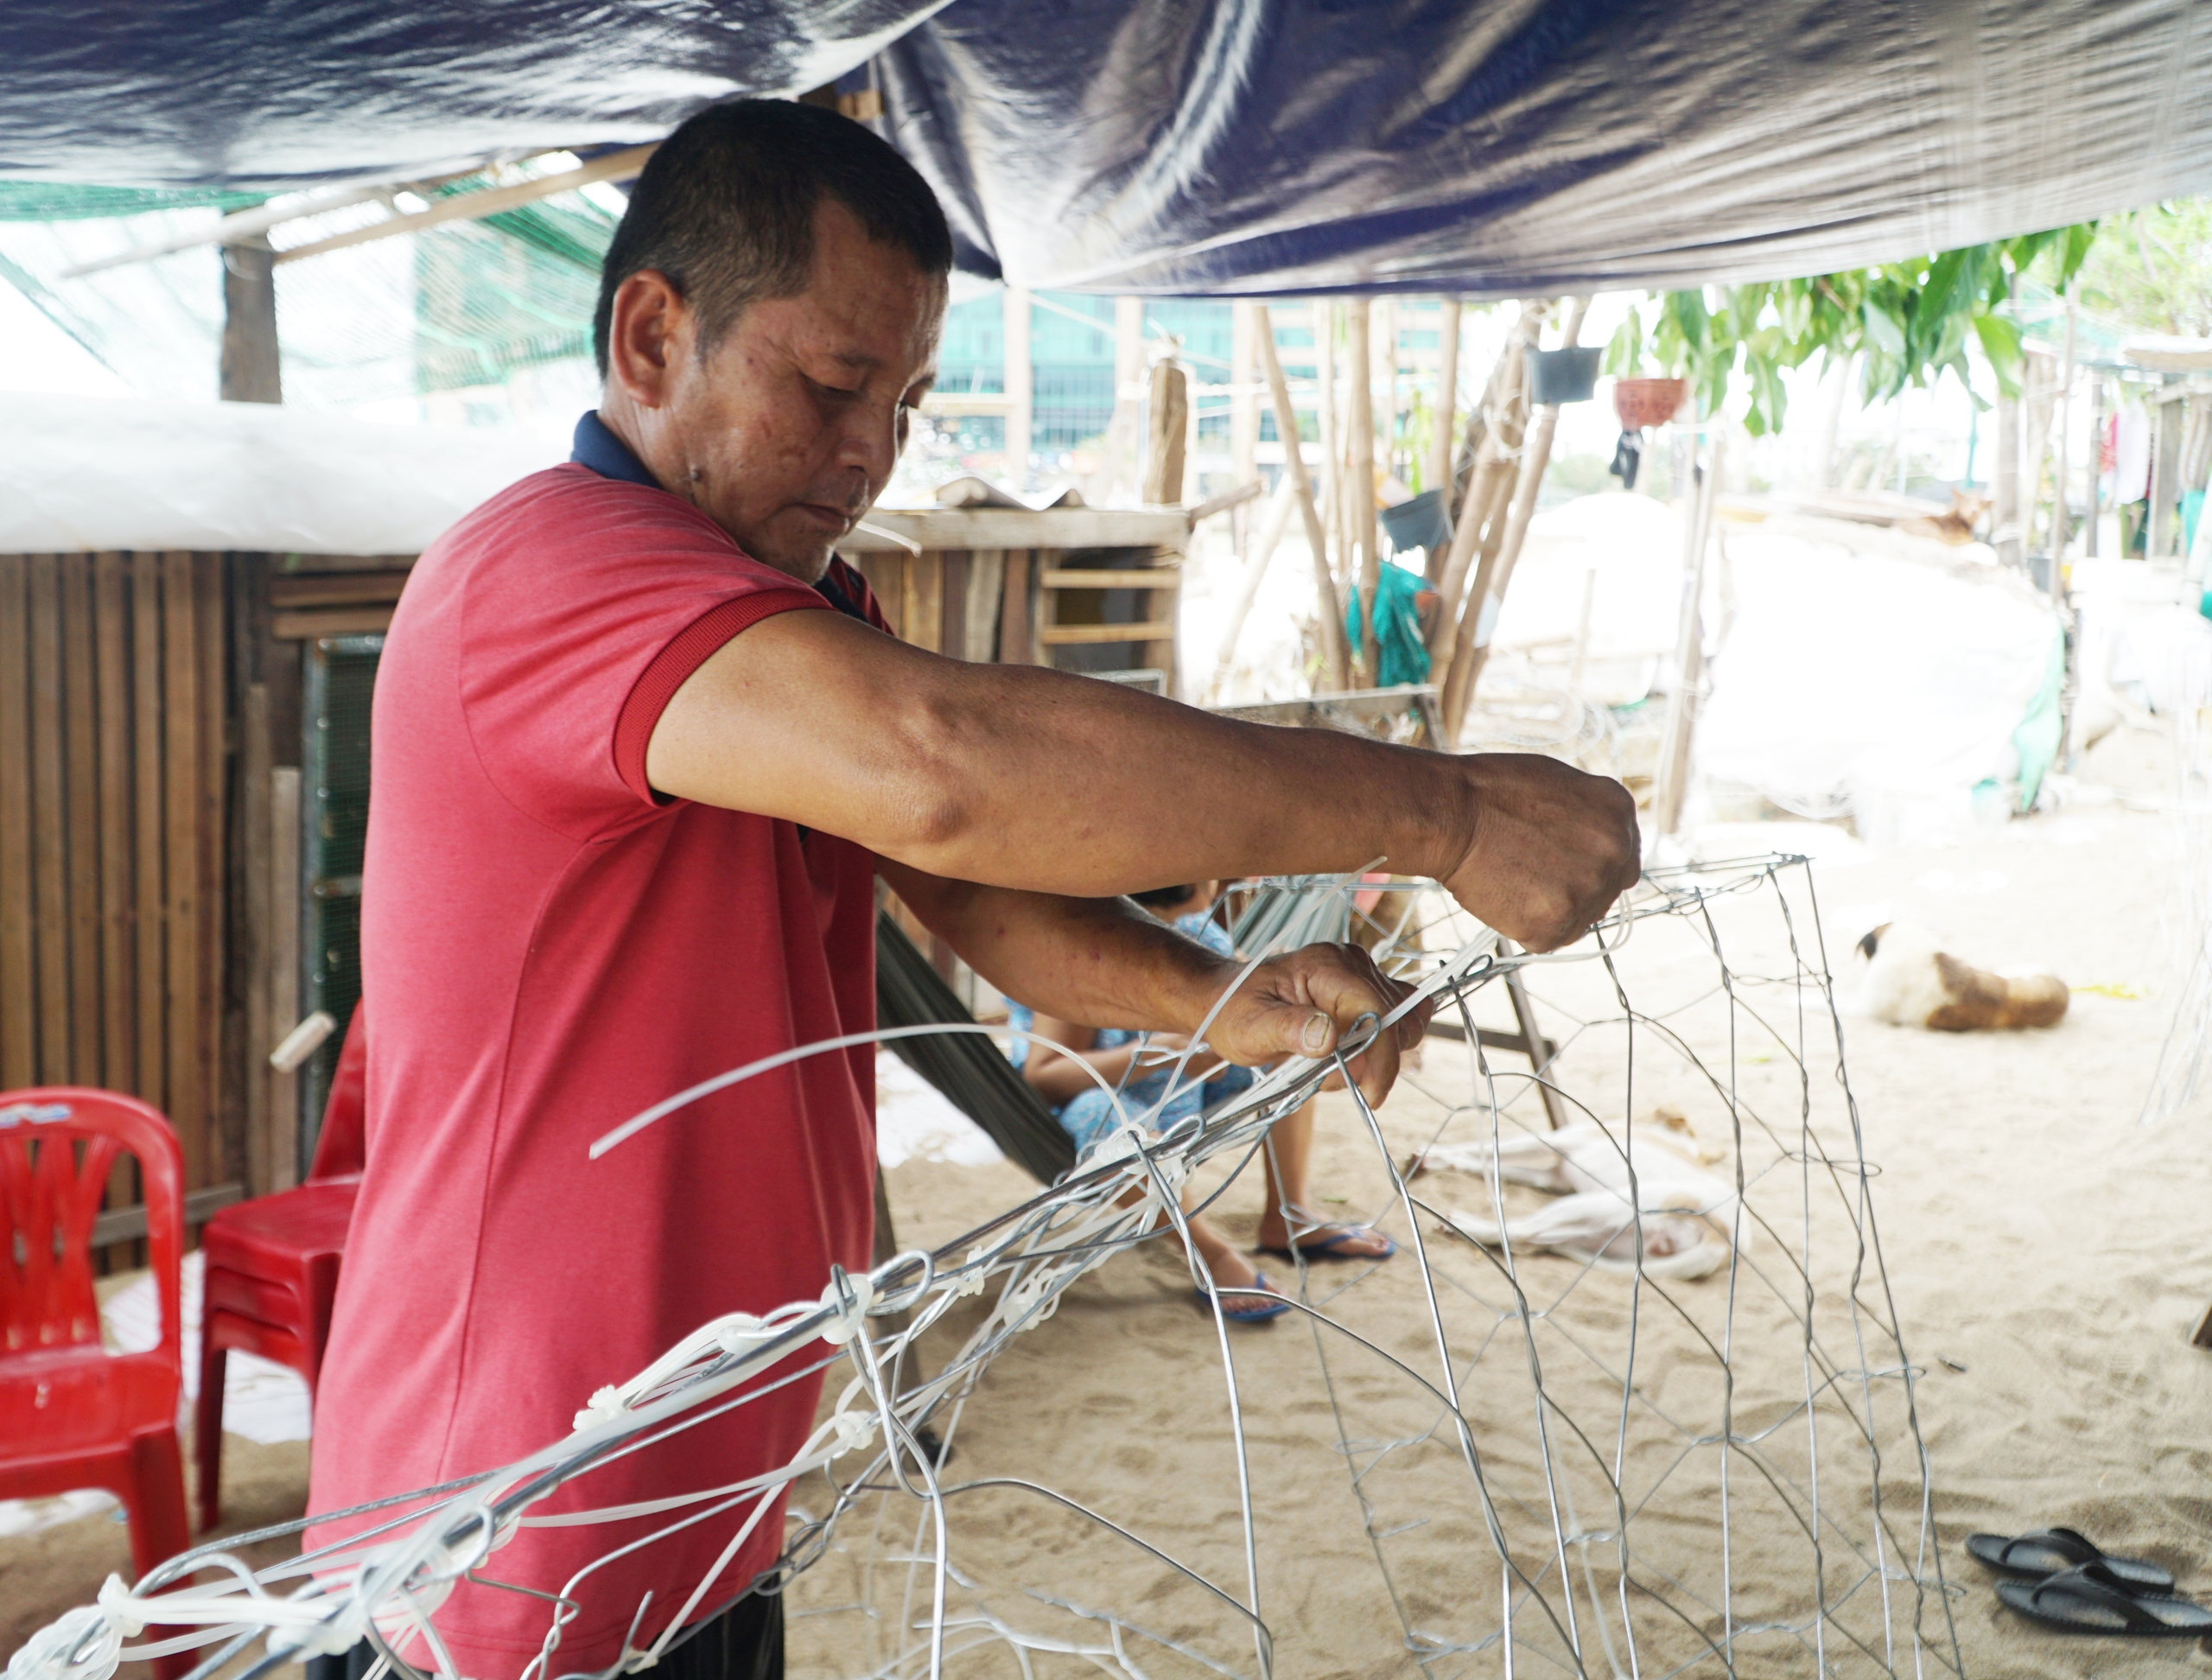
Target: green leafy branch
1909,321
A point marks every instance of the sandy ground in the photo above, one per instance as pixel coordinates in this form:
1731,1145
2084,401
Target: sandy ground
2047,1258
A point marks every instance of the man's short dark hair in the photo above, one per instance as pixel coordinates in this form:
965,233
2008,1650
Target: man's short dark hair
724,209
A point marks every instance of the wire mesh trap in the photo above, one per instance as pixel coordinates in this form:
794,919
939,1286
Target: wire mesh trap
1630,1400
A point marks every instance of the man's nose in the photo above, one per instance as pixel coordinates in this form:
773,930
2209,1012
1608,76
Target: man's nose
871,442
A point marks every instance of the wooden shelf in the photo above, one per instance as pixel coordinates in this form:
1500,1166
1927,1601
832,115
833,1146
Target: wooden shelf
1156,578
330,621
1021,528
1066,635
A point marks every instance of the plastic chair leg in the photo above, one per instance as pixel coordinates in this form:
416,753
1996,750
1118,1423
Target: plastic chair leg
159,1527
208,1430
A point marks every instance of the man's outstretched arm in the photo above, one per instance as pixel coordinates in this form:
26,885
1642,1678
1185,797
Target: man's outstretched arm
1104,961
1013,776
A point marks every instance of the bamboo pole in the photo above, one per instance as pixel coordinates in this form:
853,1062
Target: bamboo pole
1359,485
1503,419
1438,470
470,206
1325,376
1535,455
1337,658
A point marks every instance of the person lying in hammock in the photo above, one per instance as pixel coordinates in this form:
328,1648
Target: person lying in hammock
1092,1114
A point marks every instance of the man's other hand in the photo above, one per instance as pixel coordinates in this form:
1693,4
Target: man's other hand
1554,847
1302,1003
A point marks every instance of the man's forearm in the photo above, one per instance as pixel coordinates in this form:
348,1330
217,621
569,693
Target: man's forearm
1029,779
1042,782
1099,961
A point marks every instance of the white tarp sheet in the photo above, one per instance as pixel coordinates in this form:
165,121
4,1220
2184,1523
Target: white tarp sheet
101,473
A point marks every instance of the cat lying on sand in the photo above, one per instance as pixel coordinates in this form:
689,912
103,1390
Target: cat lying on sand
1684,1207
1910,981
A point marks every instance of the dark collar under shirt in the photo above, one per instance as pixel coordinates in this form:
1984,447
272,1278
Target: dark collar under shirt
598,447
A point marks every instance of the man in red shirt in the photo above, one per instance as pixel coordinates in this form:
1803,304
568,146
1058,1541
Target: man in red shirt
641,751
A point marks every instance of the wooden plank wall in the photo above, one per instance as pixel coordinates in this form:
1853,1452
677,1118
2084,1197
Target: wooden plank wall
113,804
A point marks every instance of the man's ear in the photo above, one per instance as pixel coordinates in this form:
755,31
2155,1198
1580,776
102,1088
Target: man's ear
648,336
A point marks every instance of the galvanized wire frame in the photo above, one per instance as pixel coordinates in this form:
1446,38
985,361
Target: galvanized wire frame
1580,1449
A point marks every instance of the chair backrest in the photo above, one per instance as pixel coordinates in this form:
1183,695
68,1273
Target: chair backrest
343,1144
57,1143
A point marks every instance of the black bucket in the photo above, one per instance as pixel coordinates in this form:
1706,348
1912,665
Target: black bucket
1418,524
1563,375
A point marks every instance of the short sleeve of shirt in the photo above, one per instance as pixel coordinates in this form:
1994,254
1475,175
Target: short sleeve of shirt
589,603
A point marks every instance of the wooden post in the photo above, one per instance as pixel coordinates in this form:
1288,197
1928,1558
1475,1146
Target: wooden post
1126,444
985,583
2166,476
1325,410
1672,781
1535,455
1020,386
1336,658
1444,420
251,368
1244,394
1166,423
2058,500
1015,646
2009,537
2091,539
921,616
2035,436
1359,480
1268,536
1384,375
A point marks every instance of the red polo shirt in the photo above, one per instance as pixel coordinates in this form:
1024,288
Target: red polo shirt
547,947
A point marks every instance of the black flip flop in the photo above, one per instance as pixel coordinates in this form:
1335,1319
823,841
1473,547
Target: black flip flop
2092,1600
2049,1551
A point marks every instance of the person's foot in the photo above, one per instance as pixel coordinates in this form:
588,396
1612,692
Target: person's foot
1231,1270
1324,1242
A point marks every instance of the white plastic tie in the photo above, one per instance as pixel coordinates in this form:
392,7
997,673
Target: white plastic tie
121,1607
607,1404
45,1655
854,1430
850,1315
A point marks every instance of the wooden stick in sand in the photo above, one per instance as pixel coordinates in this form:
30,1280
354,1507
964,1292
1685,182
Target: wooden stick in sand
1336,659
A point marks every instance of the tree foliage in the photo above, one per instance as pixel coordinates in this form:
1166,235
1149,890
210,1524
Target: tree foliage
2152,269
1909,322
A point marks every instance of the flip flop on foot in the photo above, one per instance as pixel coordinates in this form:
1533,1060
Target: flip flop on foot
1330,1242
2090,1599
1245,1303
2049,1551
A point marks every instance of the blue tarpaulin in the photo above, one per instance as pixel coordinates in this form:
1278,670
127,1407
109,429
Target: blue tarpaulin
1486,147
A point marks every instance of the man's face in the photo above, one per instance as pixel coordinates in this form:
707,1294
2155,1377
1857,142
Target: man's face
787,429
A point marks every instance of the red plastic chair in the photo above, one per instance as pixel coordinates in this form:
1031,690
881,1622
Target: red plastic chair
272,1267
73,1414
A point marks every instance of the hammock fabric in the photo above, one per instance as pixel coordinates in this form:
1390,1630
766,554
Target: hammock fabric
968,1068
